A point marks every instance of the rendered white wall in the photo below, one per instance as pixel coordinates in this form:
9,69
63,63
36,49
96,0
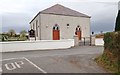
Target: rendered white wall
50,20
99,42
36,45
34,27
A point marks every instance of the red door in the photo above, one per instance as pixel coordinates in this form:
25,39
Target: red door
56,35
79,34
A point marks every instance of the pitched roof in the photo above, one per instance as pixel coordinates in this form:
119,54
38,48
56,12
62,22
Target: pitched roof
61,10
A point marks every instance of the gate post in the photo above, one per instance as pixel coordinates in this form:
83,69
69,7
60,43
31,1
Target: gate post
76,40
84,41
92,40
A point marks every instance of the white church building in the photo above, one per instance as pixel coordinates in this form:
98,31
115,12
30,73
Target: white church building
59,22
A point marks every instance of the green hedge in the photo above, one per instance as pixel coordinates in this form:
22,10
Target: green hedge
112,50
112,42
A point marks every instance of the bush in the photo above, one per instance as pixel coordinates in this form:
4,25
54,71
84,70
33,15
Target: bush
112,49
23,38
100,36
111,42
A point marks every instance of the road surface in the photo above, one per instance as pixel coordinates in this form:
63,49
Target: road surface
74,60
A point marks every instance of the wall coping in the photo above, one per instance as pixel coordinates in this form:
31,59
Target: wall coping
37,41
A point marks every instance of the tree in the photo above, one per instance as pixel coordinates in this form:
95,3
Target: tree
23,33
11,32
117,25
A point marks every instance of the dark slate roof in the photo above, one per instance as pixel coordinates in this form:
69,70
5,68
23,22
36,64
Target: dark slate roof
61,10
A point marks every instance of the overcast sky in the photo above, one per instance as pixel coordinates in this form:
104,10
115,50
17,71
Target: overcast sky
16,14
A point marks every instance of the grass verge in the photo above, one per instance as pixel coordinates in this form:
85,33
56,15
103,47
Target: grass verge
108,62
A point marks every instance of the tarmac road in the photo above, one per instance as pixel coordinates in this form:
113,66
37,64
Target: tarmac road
74,60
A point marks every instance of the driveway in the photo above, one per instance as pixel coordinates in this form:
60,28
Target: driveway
74,60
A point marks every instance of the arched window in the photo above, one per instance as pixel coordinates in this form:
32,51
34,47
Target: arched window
37,28
56,27
53,28
78,28
33,26
78,32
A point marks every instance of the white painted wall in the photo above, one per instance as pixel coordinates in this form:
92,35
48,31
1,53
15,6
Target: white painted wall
65,33
36,45
99,42
33,26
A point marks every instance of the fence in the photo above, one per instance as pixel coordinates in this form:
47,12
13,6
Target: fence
88,41
85,41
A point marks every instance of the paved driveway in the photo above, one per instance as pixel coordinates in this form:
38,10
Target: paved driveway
74,60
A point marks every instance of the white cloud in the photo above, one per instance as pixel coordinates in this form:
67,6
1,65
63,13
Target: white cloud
24,5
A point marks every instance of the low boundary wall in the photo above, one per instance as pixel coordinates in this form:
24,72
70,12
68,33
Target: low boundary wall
36,45
99,42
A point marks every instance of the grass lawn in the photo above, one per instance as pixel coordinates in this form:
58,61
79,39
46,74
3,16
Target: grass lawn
14,39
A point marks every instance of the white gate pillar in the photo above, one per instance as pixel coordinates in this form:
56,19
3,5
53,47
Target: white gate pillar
93,40
76,40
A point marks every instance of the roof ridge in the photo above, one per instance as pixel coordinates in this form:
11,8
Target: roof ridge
63,7
59,9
